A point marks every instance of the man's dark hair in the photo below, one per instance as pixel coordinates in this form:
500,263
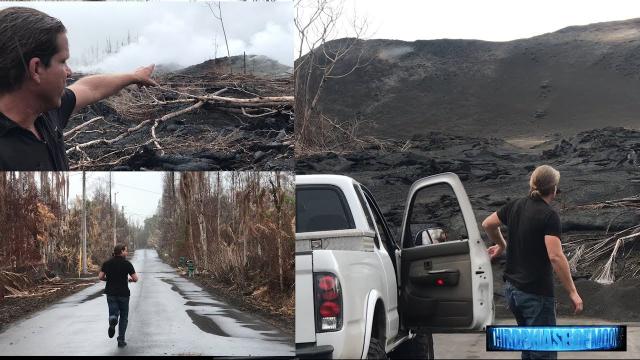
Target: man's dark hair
25,33
118,249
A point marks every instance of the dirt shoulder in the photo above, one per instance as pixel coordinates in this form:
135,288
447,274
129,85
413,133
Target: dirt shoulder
38,297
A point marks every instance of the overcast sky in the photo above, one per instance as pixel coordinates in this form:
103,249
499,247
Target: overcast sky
491,20
183,33
139,192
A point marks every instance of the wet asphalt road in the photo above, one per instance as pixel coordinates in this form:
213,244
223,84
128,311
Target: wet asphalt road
168,315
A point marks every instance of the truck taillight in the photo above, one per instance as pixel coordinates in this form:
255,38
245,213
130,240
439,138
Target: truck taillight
328,302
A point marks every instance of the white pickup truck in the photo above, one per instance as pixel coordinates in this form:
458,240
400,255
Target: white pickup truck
361,294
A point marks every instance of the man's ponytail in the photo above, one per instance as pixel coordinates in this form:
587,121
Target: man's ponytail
544,181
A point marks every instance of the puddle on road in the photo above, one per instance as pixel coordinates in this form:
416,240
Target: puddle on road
206,324
189,294
92,296
174,287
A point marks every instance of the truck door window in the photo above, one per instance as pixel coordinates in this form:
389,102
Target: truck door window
382,229
322,208
435,216
367,214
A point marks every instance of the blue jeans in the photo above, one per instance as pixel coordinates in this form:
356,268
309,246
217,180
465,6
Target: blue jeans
119,306
531,310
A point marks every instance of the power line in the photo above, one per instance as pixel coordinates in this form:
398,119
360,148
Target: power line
137,188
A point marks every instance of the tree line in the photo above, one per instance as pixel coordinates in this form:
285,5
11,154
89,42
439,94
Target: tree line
40,227
238,227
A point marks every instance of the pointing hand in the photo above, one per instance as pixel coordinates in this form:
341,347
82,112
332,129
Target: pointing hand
143,76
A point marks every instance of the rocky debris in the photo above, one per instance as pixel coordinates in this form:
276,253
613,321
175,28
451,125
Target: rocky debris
539,114
608,147
255,65
595,174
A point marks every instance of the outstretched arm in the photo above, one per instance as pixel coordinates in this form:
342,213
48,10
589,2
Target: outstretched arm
91,89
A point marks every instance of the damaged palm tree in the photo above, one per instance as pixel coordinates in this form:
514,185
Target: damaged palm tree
603,253
573,262
629,202
589,252
606,275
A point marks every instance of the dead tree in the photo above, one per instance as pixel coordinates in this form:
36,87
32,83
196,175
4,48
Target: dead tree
317,23
219,17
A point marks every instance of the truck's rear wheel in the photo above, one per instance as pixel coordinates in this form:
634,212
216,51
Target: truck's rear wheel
376,350
420,347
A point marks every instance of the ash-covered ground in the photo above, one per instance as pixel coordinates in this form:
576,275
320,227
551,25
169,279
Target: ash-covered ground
195,120
598,167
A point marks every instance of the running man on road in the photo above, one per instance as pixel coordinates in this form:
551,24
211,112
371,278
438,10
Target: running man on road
115,272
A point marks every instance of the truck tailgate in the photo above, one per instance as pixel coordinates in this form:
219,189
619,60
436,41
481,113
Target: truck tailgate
305,319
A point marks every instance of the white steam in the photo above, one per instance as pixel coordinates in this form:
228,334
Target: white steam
174,41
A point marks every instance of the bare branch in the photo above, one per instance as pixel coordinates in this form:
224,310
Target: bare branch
83,125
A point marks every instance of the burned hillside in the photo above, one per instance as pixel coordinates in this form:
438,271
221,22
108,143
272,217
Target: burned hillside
561,82
197,119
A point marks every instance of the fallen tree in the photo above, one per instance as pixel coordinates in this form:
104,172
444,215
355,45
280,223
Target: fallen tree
105,141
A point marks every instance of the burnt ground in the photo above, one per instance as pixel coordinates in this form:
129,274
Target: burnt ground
215,136
40,296
594,166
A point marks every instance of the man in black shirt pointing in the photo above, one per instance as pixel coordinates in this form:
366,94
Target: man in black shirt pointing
35,103
115,272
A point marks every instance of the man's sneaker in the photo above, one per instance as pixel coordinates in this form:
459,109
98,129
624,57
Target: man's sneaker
113,321
122,343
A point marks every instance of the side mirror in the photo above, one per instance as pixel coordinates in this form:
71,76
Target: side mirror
430,236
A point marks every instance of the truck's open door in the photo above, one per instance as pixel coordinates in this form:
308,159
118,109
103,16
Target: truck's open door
445,280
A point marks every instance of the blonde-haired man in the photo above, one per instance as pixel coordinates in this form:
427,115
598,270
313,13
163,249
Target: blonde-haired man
533,251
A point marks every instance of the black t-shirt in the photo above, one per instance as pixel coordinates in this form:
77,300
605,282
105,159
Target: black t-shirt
21,150
117,270
528,265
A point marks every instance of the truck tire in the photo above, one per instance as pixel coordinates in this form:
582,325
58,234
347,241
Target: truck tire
420,347
376,350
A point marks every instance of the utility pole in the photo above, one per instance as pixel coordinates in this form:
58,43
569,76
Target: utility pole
126,243
84,222
115,217
110,204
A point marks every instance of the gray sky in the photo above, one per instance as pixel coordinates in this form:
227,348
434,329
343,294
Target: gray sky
139,192
183,33
491,20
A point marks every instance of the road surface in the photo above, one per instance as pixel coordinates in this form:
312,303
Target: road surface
168,315
472,346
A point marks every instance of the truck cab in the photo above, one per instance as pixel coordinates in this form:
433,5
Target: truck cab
360,293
